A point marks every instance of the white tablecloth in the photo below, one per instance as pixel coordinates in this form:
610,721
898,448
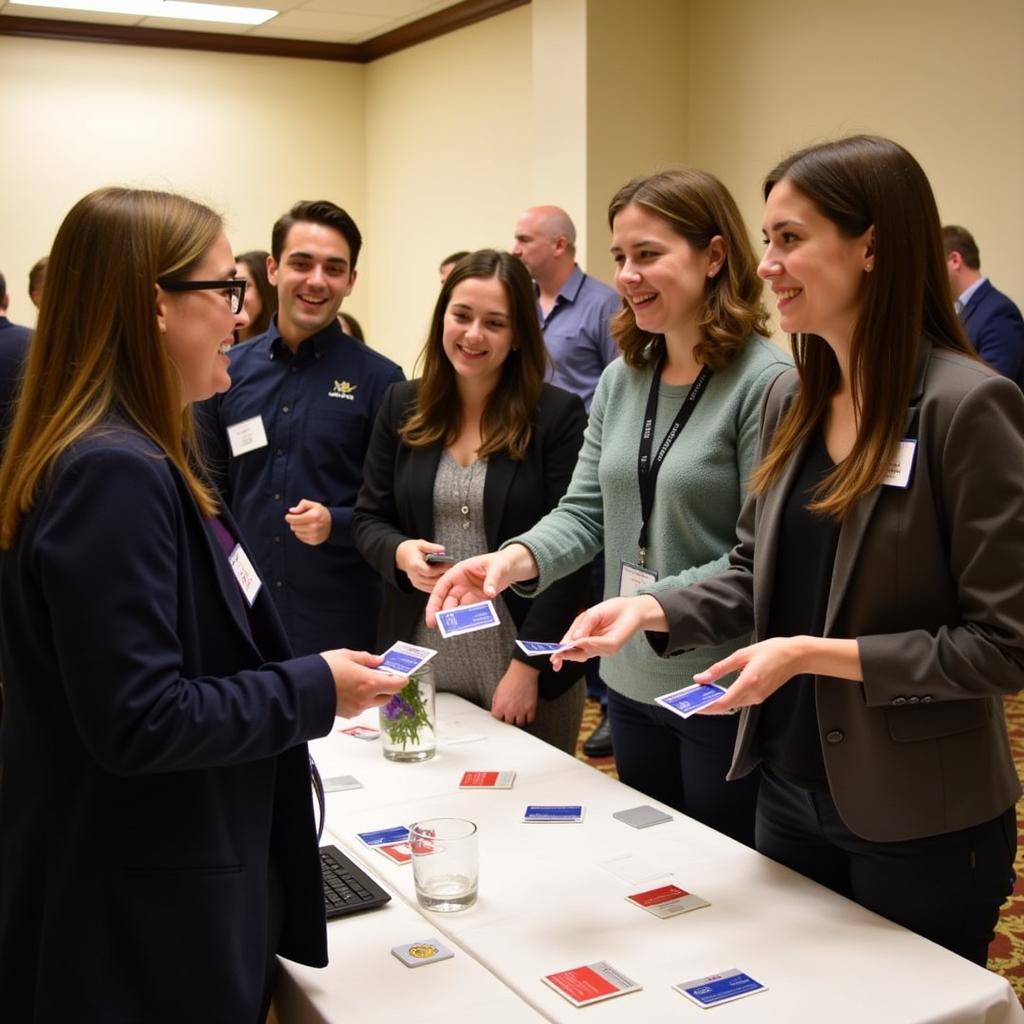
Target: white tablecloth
552,897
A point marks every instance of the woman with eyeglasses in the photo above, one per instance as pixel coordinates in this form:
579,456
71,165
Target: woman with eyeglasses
157,839
878,563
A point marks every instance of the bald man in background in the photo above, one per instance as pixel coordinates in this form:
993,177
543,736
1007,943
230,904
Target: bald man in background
574,311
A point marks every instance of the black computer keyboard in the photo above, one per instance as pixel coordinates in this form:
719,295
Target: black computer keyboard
347,888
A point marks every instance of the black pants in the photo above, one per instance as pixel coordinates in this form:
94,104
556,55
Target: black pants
683,762
947,888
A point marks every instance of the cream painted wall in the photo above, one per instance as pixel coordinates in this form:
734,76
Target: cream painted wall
248,135
449,166
943,78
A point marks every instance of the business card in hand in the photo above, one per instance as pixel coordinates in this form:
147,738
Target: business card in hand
402,659
467,618
542,649
690,699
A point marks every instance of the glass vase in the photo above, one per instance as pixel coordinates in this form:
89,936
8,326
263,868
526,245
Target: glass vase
407,720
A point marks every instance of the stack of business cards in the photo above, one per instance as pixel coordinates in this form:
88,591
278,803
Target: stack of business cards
716,989
402,659
426,951
385,836
339,783
667,901
642,817
487,780
591,983
547,812
690,699
468,618
397,853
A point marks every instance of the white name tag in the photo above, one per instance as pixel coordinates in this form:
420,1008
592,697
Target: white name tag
247,436
632,578
898,473
245,574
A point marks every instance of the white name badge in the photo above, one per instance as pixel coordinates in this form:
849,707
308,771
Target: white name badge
633,577
901,467
245,574
247,436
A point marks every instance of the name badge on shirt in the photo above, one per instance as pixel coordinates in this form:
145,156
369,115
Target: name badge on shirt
902,466
245,574
247,436
633,577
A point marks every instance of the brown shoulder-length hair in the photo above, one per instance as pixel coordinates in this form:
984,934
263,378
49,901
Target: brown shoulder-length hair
508,419
97,347
860,182
697,206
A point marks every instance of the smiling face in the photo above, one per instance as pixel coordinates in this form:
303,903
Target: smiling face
312,278
659,274
477,333
816,273
198,327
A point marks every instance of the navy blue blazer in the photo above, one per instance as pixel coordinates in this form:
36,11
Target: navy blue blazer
14,340
154,758
994,325
397,502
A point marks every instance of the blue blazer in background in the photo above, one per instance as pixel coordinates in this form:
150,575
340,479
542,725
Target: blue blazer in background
994,325
154,758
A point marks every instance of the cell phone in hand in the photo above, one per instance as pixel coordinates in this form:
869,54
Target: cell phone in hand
437,558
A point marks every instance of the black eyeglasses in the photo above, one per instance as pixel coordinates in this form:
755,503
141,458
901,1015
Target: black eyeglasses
232,289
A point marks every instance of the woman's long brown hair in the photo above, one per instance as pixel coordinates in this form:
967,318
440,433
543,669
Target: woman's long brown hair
857,183
97,348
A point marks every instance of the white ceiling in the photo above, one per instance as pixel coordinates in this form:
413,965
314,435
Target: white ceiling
322,21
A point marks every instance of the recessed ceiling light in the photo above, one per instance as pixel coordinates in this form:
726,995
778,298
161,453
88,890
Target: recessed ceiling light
161,9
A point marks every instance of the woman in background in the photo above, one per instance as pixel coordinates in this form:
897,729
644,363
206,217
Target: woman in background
260,294
663,472
878,564
157,844
476,450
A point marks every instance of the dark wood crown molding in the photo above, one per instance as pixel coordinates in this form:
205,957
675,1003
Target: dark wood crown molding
433,25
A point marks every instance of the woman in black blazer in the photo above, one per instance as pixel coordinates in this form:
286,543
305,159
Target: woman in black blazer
878,563
157,840
476,450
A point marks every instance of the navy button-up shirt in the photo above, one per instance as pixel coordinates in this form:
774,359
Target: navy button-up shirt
317,407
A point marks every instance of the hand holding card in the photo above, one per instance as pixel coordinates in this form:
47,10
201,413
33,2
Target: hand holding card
690,699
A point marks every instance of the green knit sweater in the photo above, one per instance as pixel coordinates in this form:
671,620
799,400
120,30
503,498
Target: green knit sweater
701,486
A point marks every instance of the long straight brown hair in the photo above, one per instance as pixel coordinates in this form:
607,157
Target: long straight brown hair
511,409
97,349
860,182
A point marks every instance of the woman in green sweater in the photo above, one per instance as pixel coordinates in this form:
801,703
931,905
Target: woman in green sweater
662,474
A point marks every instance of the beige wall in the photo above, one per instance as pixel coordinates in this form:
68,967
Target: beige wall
448,166
943,78
440,147
248,135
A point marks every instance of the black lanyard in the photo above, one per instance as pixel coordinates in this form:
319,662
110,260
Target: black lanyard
647,468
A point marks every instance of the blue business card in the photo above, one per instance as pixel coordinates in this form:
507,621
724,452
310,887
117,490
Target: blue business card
467,619
719,988
548,812
690,699
385,836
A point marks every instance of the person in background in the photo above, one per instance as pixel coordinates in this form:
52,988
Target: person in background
575,312
992,322
475,451
286,443
260,294
351,326
446,265
662,474
878,564
155,799
36,278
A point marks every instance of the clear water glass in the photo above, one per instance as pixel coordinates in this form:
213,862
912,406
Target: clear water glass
445,863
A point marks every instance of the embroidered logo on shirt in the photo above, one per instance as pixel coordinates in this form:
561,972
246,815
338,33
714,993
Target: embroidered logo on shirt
342,389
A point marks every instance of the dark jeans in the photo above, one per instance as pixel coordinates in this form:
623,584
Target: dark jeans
683,762
947,888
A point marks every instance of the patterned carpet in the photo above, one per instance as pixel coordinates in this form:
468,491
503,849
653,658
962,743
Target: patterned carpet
1006,954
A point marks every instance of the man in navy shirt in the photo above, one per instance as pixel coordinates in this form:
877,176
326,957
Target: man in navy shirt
286,441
